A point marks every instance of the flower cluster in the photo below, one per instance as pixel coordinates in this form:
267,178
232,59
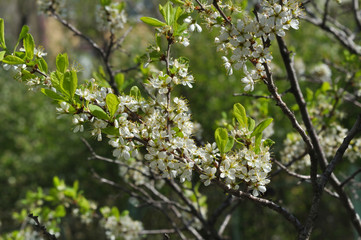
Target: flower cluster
120,226
331,138
111,17
159,125
44,6
248,39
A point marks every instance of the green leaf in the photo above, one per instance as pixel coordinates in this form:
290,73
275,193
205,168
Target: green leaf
112,102
98,112
309,95
111,131
177,2
56,78
221,136
152,21
158,40
261,126
62,62
2,34
29,46
258,143
229,144
70,83
60,211
105,2
168,13
119,80
325,87
52,94
43,66
115,212
2,54
251,124
13,60
135,92
240,114
76,185
268,143
23,33
56,181
124,213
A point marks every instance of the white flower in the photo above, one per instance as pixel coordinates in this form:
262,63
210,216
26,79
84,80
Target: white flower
208,175
193,24
249,84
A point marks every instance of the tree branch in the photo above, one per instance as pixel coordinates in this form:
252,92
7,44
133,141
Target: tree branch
263,202
41,228
350,177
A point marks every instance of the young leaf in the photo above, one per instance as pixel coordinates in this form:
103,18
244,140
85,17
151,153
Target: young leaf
70,83
168,13
240,114
325,87
112,102
135,92
152,21
261,126
105,2
177,2
221,136
23,33
43,66
2,54
56,78
62,62
258,143
52,94
98,112
56,181
13,60
2,34
29,46
119,80
229,144
111,131
60,211
251,124
268,143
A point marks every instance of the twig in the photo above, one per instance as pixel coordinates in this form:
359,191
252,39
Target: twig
325,14
295,159
356,128
200,5
300,176
350,177
224,224
42,228
264,202
345,39
215,4
109,160
156,231
355,8
104,54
